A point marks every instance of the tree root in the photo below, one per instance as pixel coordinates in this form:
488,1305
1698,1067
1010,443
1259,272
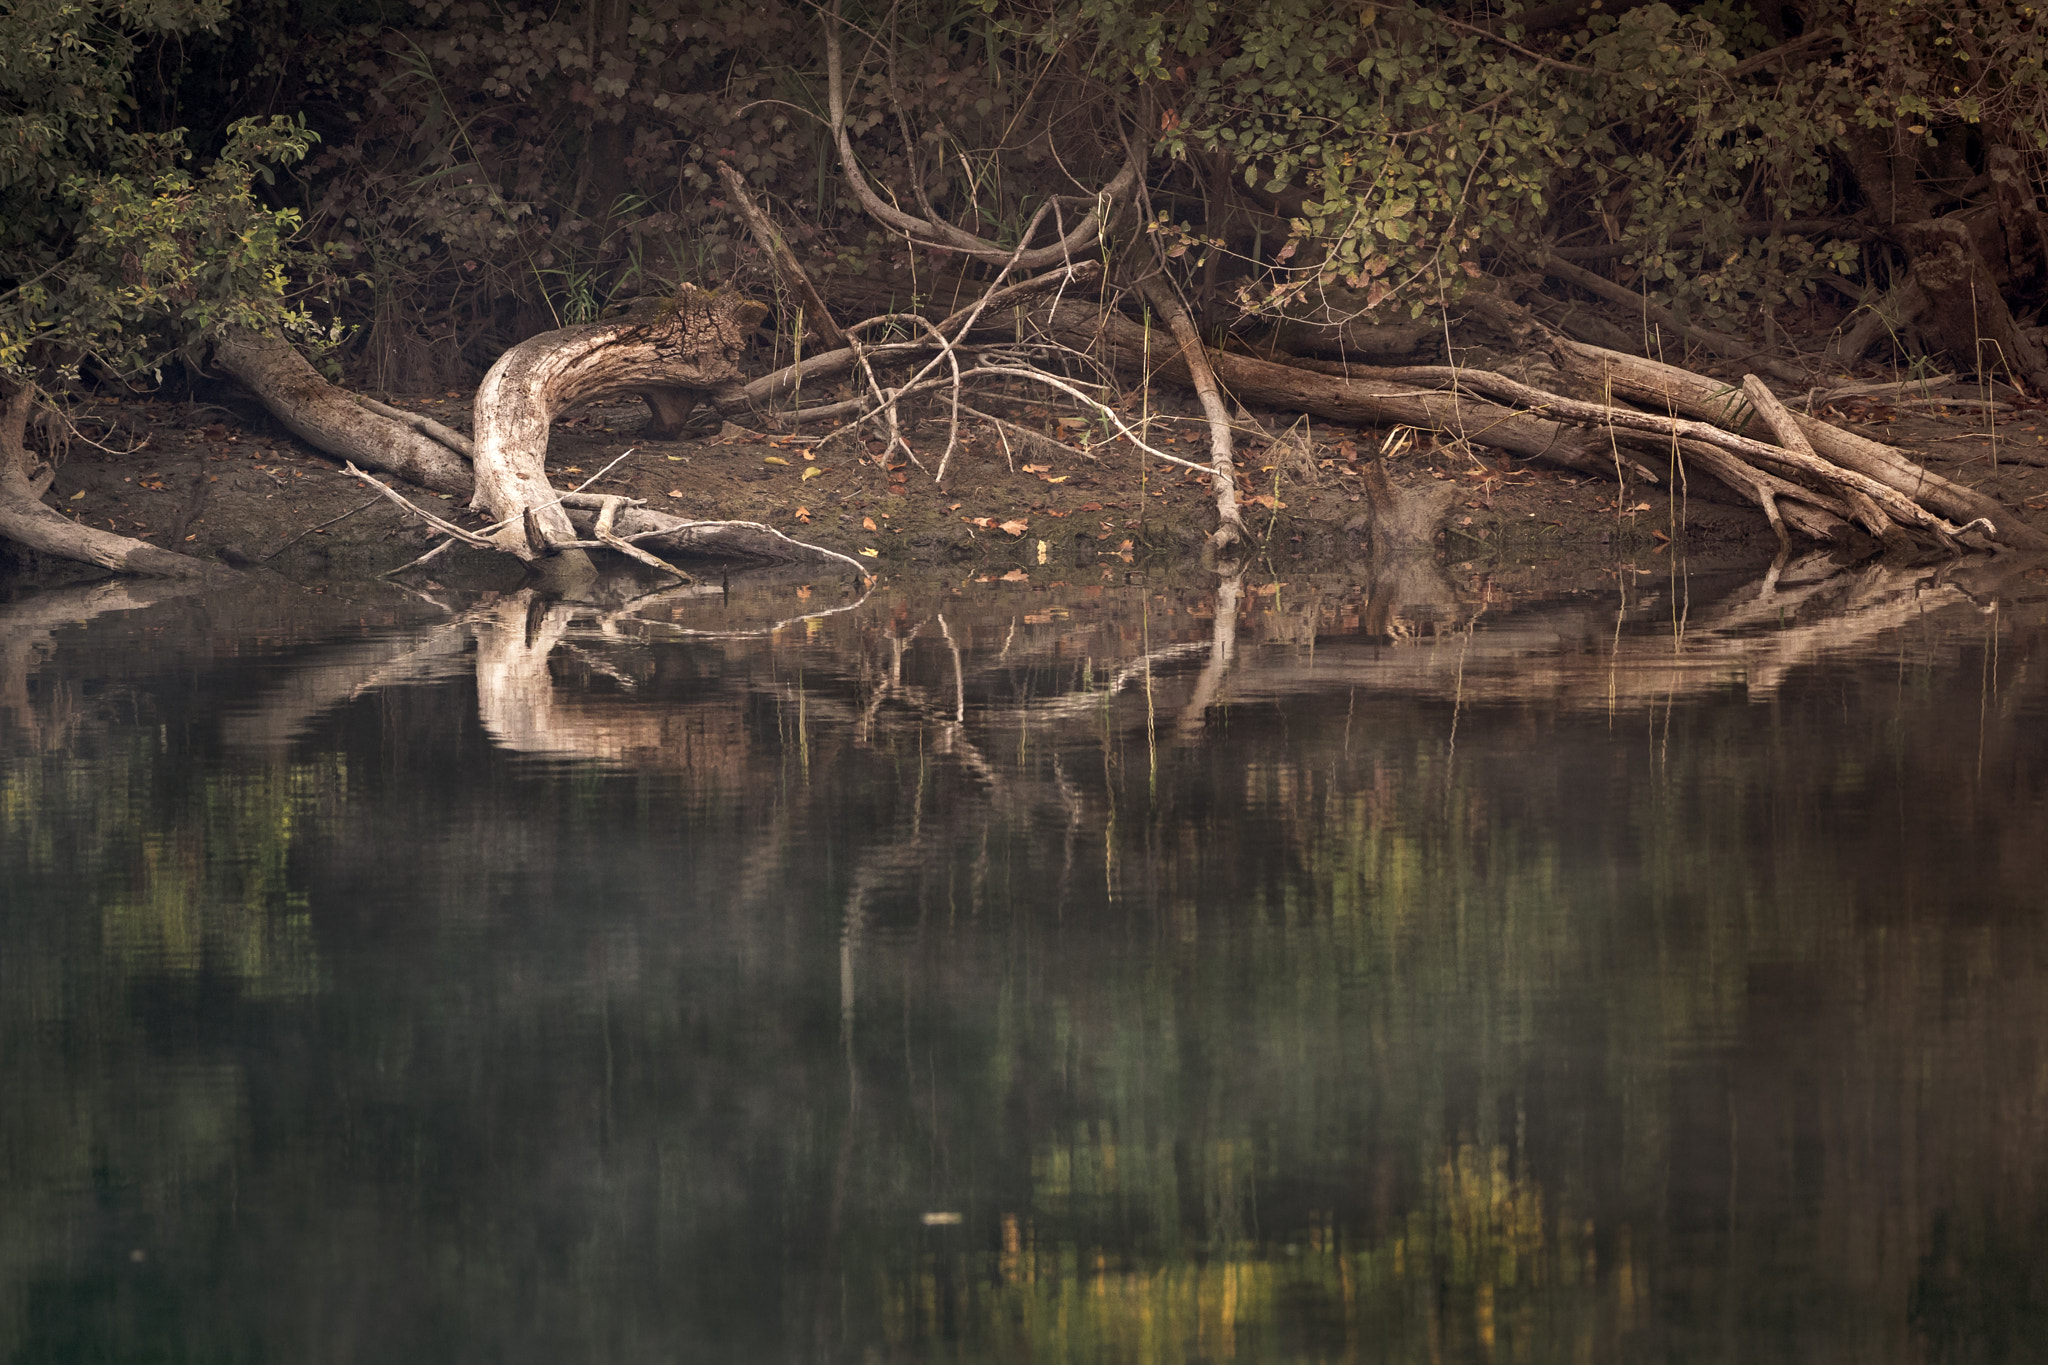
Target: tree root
26,520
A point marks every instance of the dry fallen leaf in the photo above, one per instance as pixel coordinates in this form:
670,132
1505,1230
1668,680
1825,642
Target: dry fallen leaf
867,524
1036,468
79,494
1266,500
1016,527
813,472
872,554
803,514
1061,478
1016,576
675,492
773,459
1091,507
810,455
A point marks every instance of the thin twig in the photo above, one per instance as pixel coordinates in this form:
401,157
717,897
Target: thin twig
438,523
321,527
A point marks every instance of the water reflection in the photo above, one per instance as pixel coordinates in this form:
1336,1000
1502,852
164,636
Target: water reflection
1272,970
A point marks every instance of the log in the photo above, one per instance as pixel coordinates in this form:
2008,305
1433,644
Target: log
1735,348
26,520
330,419
1360,402
1670,389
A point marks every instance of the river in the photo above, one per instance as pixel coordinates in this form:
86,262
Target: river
1400,969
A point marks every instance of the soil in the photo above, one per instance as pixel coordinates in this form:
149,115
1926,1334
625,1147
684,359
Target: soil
222,481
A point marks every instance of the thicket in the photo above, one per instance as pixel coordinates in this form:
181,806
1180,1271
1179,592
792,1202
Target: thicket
478,171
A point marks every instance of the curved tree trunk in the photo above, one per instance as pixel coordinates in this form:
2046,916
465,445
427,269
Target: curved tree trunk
691,341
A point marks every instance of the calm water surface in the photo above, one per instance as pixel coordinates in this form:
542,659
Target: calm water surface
1293,971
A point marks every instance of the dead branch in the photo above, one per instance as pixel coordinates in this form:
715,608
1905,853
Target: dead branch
786,263
770,389
1775,415
939,234
1230,527
1718,342
423,424
27,520
1670,389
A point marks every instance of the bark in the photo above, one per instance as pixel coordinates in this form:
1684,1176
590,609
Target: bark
2023,229
1785,504
27,520
1965,315
330,419
1667,388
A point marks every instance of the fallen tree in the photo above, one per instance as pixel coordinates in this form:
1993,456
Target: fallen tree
686,344
28,521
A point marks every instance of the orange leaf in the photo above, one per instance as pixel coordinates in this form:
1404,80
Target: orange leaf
803,514
867,523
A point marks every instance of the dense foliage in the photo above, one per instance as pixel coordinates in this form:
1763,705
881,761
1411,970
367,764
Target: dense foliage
113,249
488,170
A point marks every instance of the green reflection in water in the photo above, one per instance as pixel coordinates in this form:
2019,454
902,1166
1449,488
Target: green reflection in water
1022,977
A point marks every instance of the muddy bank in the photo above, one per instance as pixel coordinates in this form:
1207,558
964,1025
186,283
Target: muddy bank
1045,498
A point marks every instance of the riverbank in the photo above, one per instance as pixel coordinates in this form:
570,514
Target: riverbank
1043,497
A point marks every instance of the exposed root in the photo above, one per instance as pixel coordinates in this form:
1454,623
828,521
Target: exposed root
27,521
